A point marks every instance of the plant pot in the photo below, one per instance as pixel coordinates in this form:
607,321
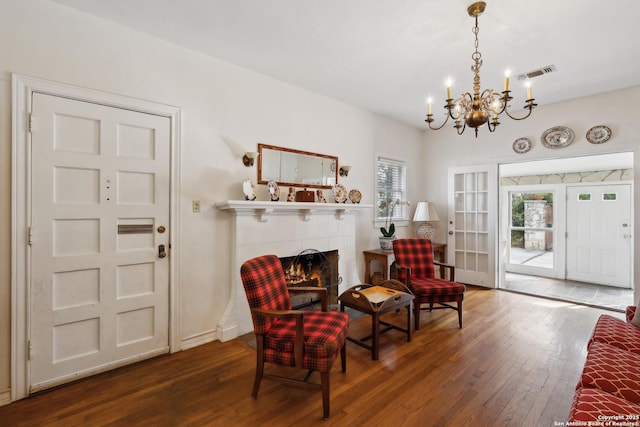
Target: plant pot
386,243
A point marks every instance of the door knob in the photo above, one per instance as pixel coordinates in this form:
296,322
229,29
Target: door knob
161,251
451,233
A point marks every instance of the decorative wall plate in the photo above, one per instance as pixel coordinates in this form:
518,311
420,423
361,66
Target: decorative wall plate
598,134
355,196
557,137
339,193
522,145
249,189
274,190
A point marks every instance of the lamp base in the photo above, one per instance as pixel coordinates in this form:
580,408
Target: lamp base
426,231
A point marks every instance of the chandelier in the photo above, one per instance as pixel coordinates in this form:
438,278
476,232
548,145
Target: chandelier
474,110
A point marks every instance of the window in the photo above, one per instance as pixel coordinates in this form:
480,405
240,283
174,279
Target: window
391,189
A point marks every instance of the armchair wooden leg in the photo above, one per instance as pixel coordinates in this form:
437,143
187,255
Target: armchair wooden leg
259,370
324,381
460,313
416,315
343,357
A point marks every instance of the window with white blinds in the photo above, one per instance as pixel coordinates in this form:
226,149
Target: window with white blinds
391,189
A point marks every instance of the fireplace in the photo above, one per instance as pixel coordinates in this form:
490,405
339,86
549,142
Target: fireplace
284,229
312,268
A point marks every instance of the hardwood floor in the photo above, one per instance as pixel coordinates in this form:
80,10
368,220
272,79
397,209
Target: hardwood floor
516,362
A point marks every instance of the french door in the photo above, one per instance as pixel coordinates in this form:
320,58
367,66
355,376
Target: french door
471,224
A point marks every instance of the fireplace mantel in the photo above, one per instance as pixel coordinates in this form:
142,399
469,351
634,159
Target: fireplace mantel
262,210
285,229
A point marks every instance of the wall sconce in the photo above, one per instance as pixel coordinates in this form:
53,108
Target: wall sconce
249,158
344,170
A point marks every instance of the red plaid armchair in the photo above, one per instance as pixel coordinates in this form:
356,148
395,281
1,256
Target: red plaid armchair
309,340
414,266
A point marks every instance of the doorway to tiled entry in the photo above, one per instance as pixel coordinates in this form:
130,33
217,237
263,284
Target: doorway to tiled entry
602,296
608,297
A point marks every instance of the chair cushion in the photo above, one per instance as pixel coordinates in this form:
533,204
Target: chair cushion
324,335
616,332
592,404
613,370
425,287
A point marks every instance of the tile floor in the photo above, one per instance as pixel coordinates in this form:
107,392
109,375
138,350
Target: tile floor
607,297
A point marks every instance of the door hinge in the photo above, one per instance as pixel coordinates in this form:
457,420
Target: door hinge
30,236
29,348
31,123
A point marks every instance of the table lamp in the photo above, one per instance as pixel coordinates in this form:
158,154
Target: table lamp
425,212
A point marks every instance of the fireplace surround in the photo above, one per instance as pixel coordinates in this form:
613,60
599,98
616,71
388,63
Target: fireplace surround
284,229
312,268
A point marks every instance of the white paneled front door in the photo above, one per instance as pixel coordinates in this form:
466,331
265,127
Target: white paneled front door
599,233
99,285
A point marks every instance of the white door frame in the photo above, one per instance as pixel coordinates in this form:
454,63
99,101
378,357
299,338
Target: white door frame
23,88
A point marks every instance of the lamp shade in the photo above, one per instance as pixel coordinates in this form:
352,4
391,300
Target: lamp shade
426,211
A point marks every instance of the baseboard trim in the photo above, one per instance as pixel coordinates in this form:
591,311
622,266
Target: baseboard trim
5,397
199,339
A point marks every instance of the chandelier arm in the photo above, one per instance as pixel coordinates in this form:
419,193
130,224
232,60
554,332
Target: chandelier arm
530,106
493,124
429,120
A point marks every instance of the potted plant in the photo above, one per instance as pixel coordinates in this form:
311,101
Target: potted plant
389,229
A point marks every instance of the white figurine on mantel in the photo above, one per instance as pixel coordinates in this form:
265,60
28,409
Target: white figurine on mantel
274,191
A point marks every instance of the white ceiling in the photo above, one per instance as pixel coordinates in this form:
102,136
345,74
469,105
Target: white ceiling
388,56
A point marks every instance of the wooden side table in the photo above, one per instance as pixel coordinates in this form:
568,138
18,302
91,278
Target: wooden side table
439,252
385,258
376,300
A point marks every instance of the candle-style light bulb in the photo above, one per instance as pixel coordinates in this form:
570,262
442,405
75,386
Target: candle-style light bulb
449,83
507,73
529,91
429,101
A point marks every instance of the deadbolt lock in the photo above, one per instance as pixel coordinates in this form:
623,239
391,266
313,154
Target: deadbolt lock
161,251
161,229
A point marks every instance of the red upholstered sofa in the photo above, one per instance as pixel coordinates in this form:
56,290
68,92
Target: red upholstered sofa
609,387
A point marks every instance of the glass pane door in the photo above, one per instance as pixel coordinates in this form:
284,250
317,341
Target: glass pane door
471,224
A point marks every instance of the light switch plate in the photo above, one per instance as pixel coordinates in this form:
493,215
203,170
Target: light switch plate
196,206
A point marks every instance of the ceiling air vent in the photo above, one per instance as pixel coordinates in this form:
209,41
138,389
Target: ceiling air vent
539,72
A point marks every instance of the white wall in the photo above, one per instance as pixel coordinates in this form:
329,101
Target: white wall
444,148
43,39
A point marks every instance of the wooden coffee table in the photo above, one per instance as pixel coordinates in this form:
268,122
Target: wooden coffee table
375,300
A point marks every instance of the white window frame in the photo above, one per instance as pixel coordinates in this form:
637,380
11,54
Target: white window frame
401,211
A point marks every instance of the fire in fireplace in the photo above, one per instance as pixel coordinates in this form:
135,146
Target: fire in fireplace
312,268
